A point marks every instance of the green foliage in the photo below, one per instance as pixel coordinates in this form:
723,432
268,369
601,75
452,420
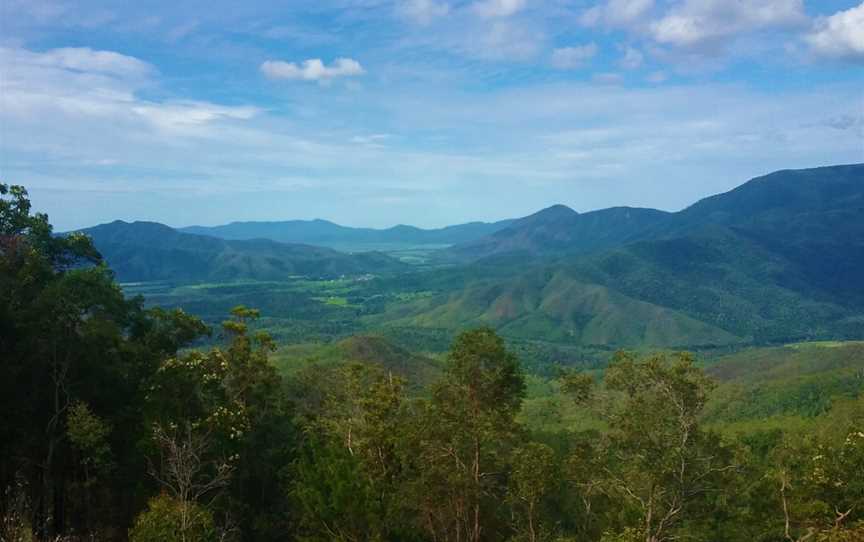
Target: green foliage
533,474
69,337
465,435
578,386
800,380
348,480
664,464
87,432
489,374
170,520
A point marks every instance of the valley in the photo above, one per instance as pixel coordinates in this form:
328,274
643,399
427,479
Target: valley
777,260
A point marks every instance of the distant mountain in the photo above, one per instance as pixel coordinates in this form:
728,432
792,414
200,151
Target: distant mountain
325,233
561,230
813,218
795,209
777,259
147,251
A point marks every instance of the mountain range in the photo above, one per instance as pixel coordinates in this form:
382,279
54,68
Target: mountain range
779,258
326,233
148,251
796,207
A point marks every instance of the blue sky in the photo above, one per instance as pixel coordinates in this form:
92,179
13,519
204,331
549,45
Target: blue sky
426,112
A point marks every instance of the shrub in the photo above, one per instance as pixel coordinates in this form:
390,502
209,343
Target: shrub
170,520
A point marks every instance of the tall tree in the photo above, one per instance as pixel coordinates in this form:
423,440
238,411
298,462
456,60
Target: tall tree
466,433
532,477
69,335
225,409
349,481
664,463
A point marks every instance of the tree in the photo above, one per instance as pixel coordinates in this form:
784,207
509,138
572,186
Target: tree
168,520
227,404
186,471
68,335
532,477
464,435
349,481
88,435
664,462
818,483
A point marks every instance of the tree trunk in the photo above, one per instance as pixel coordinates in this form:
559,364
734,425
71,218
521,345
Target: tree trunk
476,534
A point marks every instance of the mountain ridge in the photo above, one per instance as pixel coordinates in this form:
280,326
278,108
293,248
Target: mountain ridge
150,251
322,232
759,268
760,204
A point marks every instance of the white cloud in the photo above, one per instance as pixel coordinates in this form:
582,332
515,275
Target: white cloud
188,113
84,59
617,13
499,8
697,22
841,35
568,58
423,11
87,86
632,58
312,69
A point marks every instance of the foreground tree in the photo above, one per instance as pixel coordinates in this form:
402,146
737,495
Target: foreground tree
465,435
69,336
532,478
663,463
221,426
170,520
348,483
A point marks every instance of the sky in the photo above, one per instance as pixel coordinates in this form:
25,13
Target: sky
423,112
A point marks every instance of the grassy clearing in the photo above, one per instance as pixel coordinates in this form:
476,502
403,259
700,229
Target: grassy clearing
822,344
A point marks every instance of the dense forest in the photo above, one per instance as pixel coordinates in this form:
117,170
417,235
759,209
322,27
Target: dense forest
122,421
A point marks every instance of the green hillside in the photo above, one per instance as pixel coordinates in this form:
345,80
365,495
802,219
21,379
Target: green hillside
776,260
726,280
802,380
791,209
556,306
744,266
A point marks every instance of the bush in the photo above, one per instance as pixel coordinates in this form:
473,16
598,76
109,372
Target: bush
169,520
